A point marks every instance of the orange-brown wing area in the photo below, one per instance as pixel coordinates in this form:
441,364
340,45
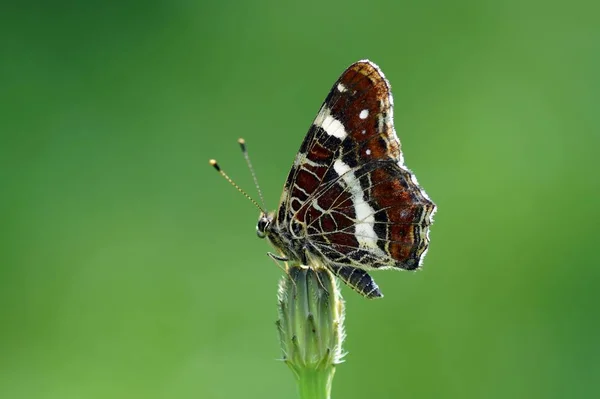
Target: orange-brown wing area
367,106
404,214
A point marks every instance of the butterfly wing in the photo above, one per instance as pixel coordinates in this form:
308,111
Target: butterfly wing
358,279
361,207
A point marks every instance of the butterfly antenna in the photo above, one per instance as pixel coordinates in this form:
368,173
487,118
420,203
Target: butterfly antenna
215,165
242,143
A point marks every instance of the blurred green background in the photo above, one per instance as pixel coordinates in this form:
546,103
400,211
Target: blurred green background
130,269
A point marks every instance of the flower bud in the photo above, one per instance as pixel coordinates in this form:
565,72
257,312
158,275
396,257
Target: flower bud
311,317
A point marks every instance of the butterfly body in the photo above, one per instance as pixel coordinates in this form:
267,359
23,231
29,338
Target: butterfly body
290,242
349,204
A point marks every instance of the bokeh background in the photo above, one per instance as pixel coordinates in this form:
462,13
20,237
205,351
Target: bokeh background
130,269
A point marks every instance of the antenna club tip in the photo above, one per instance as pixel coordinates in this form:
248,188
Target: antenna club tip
214,164
242,144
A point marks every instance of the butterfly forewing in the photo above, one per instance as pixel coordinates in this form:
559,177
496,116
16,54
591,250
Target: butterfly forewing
359,206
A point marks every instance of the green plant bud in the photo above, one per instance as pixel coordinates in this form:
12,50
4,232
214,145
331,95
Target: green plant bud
311,317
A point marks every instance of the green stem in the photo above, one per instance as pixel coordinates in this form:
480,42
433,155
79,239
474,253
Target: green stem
315,383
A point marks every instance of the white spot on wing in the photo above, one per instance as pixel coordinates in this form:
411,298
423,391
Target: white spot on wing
365,219
363,114
332,126
368,152
341,88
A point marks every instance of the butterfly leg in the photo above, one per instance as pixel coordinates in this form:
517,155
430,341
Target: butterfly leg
277,257
357,279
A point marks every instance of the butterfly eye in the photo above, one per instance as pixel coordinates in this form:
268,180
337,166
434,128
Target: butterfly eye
262,226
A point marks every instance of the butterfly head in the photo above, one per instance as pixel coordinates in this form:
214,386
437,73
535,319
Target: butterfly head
263,226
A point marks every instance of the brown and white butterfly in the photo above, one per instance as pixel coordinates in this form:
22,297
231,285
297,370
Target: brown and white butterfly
349,204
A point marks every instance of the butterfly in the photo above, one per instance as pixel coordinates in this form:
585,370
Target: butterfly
349,204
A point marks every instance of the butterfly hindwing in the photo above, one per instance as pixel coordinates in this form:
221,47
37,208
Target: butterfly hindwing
357,279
